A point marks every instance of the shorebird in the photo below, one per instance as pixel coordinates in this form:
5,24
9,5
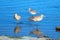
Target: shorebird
17,30
37,18
17,17
33,12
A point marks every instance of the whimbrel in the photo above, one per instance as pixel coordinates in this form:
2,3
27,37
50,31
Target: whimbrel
37,18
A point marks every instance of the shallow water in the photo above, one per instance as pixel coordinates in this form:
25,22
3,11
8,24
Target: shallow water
22,38
50,8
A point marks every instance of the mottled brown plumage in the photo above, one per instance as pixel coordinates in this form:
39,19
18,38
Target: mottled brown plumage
37,18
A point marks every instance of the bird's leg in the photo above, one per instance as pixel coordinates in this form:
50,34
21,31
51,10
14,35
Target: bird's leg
32,15
29,24
18,22
36,25
31,21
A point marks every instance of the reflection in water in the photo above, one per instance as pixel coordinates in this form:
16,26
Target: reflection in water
39,33
17,30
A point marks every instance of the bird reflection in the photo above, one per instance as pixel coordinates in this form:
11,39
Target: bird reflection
39,33
17,30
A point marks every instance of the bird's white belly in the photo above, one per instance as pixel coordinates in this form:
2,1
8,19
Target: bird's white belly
17,17
37,19
33,12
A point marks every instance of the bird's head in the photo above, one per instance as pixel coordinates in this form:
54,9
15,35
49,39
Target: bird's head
42,15
16,14
29,9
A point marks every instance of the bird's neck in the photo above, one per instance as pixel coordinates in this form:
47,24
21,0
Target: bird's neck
29,9
41,16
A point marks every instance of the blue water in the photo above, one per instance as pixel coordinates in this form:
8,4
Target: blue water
50,8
